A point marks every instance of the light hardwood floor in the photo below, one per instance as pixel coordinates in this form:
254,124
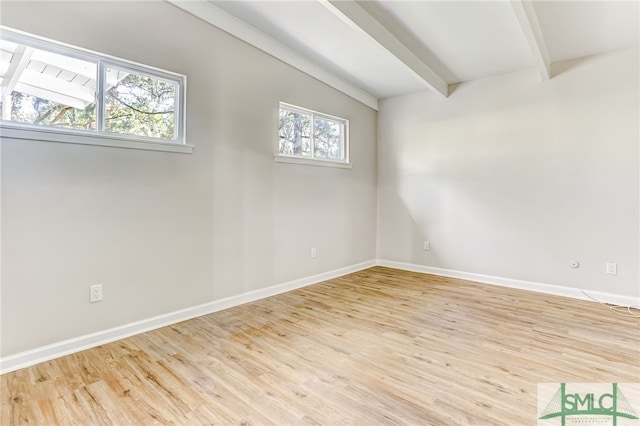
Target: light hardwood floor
380,346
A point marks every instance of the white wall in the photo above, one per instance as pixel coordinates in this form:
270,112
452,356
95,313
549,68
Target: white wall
509,176
513,177
165,231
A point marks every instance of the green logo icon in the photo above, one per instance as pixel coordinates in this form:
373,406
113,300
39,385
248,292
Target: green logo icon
567,404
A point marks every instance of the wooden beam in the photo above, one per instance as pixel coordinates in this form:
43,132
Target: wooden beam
19,62
59,98
77,66
49,84
354,15
528,21
208,12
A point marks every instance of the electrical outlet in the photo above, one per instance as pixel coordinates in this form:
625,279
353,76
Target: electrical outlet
95,293
313,252
427,246
612,268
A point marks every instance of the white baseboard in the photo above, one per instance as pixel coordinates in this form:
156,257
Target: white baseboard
66,347
575,293
76,344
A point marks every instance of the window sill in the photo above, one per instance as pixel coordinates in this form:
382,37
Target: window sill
310,162
91,139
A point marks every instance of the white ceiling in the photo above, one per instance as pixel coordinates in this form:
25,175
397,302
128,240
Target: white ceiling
381,48
326,40
574,29
472,39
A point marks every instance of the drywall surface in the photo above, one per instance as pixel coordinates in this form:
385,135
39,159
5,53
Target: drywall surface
514,177
166,231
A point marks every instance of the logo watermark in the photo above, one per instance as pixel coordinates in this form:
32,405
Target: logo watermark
602,404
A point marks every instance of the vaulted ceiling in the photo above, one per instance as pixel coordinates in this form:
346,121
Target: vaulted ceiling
381,48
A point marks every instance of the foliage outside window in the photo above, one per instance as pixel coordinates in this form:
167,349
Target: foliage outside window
49,88
311,135
140,104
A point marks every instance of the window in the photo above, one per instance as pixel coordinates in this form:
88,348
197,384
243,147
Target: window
310,137
55,92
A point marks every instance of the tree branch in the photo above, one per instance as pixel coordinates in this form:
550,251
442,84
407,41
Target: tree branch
62,112
118,116
140,111
44,116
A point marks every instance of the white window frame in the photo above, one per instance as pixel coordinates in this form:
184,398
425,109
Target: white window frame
314,161
99,136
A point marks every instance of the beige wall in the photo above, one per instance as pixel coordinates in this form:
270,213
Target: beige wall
513,177
509,176
166,231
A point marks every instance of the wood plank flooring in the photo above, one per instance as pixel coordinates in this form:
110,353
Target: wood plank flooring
380,346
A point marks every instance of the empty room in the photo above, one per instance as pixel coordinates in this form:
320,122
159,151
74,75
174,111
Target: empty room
320,212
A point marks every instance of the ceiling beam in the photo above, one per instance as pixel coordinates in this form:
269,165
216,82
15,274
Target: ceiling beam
208,12
77,66
354,15
49,84
528,21
19,61
59,98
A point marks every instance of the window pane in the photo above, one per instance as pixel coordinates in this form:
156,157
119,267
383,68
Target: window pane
46,88
328,139
295,133
139,104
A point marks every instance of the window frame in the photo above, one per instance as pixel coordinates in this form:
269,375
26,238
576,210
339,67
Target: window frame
311,160
98,136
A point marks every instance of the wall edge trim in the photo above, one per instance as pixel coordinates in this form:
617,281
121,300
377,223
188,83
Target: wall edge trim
66,347
557,290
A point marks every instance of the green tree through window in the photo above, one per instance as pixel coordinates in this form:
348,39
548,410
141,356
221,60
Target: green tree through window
138,105
46,84
304,133
141,105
